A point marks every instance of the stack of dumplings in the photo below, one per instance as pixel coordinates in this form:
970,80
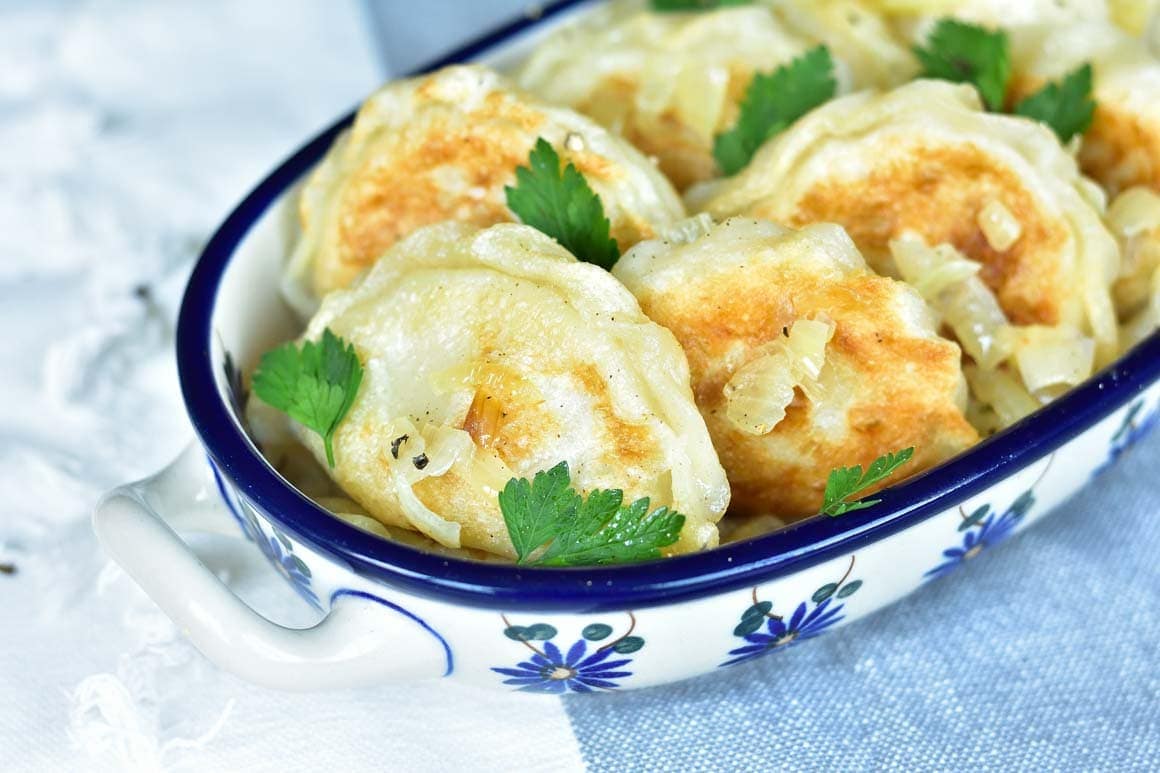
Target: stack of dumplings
899,267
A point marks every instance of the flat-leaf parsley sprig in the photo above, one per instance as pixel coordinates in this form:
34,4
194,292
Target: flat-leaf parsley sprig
315,384
550,524
845,482
772,102
967,53
562,205
1066,106
665,6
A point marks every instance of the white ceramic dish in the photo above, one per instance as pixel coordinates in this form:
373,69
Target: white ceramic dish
395,613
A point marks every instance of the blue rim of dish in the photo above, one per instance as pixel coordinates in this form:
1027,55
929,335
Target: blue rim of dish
596,589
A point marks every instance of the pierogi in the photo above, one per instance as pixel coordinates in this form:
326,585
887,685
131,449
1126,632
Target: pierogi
492,354
802,358
668,82
926,159
443,147
1121,149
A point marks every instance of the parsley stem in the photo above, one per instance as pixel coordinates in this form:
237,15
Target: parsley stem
328,443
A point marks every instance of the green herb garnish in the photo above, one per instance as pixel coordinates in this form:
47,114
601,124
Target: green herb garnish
845,482
577,531
563,206
967,53
772,102
1066,106
665,6
314,385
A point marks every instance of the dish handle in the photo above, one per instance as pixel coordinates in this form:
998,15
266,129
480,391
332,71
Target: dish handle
357,643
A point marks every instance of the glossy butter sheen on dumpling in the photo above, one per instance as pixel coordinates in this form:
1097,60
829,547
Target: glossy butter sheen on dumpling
492,354
667,81
803,359
926,158
442,147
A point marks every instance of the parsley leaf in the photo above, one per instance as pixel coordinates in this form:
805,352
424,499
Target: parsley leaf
664,6
1066,106
845,482
579,531
314,385
966,53
563,206
772,102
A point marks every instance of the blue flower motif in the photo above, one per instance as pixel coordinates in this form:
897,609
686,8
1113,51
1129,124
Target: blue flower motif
781,634
551,671
277,550
1129,434
986,533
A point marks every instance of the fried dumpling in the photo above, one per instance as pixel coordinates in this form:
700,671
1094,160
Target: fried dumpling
442,147
926,159
492,354
874,55
1122,147
802,358
1049,39
667,81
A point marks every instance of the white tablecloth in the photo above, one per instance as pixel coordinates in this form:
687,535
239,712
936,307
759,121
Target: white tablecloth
127,131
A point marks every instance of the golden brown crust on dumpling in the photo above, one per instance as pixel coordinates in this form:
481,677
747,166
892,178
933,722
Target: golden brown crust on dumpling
443,147
495,354
927,191
729,294
668,82
925,158
1122,148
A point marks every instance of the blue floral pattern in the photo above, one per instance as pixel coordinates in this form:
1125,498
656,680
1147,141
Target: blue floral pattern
280,553
805,622
551,670
1131,431
278,550
983,529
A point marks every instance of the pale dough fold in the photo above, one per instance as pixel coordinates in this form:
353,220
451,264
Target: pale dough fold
926,158
668,82
443,147
497,354
888,381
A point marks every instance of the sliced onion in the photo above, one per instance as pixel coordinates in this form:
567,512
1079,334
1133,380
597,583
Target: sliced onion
999,226
422,518
1051,357
967,305
701,92
443,446
1002,392
758,394
1135,211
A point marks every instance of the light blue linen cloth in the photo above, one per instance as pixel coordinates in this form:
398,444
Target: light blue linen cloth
1041,654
